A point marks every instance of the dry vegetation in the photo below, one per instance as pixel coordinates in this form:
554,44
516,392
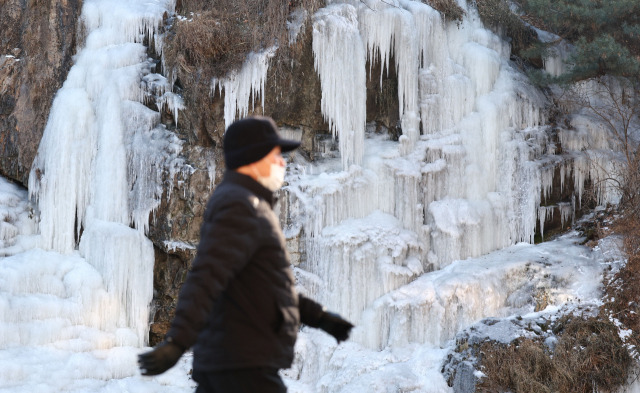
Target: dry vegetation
448,8
214,37
623,288
497,15
209,38
589,355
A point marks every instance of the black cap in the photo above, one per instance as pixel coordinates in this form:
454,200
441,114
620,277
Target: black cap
249,140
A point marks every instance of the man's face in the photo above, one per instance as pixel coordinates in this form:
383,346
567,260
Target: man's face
263,167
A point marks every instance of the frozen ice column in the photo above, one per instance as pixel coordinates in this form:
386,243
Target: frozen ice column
340,62
81,178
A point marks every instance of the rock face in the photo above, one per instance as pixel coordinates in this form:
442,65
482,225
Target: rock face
36,47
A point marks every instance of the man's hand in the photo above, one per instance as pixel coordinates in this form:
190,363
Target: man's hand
160,359
335,325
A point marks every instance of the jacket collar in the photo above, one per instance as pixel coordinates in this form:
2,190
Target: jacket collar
249,183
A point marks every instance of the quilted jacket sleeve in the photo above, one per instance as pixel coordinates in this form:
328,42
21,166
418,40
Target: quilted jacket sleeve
229,237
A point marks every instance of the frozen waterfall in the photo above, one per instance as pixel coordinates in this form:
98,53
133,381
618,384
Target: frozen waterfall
98,172
384,230
412,240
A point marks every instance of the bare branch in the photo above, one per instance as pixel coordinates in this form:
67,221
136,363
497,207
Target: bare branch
382,1
367,5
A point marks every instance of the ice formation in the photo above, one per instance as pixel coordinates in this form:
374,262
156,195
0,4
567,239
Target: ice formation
466,178
99,170
485,115
339,60
398,236
601,131
295,23
17,219
244,86
559,51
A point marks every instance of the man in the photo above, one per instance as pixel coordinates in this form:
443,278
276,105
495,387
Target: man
238,307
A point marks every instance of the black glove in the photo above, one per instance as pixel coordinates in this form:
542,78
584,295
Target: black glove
160,359
335,325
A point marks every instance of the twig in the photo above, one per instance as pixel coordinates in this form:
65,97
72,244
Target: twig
382,1
367,5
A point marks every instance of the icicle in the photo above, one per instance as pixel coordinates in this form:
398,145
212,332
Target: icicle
567,210
544,212
339,59
109,188
554,63
124,258
295,24
547,180
60,176
152,156
392,28
244,86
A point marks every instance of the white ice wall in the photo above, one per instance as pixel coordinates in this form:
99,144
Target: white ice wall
100,164
468,185
465,178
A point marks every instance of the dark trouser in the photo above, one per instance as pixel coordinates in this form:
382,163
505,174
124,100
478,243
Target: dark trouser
249,380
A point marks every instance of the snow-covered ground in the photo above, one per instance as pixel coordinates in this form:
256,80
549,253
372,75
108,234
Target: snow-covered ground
51,339
55,332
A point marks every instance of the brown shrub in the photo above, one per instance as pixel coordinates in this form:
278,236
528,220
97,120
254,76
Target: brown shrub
589,354
591,351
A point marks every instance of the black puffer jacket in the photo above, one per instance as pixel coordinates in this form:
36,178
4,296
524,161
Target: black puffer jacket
238,306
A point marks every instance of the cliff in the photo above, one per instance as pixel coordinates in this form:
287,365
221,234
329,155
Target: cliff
38,42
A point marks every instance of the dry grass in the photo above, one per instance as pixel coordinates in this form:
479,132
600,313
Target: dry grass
524,368
449,8
592,353
623,288
214,37
497,15
210,38
589,355
207,40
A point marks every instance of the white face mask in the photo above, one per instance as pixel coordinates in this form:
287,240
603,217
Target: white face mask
275,180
